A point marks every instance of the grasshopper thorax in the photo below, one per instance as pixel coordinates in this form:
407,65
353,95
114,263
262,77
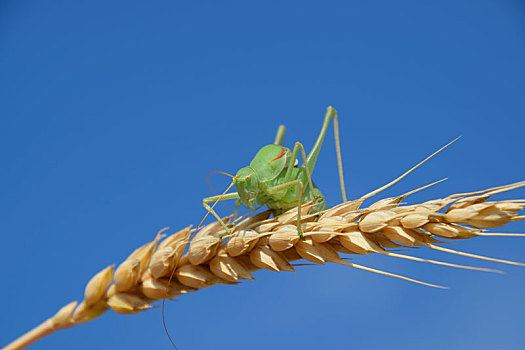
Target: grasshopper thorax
267,164
270,161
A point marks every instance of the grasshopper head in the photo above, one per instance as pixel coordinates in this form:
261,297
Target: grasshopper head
247,184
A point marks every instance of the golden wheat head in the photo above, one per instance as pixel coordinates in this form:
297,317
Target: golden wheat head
190,259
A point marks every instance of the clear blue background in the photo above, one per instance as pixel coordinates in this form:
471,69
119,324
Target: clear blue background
112,113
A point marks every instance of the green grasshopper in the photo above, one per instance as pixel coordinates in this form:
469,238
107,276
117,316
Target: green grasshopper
274,179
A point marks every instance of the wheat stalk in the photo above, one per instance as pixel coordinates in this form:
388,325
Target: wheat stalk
192,259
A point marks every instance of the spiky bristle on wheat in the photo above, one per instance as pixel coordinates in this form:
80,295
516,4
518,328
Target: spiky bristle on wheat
200,259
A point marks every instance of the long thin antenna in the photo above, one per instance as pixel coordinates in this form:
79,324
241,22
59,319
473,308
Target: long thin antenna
215,203
212,188
177,262
223,173
164,325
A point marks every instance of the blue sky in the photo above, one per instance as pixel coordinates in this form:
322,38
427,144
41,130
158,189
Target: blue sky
113,112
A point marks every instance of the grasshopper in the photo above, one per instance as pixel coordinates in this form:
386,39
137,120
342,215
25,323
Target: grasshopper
274,179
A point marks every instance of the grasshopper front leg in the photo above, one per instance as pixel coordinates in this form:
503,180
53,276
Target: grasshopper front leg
209,209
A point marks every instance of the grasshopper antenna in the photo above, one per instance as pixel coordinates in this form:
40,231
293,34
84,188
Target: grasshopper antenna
218,200
187,241
208,182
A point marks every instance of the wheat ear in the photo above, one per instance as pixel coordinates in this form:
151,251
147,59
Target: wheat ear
260,242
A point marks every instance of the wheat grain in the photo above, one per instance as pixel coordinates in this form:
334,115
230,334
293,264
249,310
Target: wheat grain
259,242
